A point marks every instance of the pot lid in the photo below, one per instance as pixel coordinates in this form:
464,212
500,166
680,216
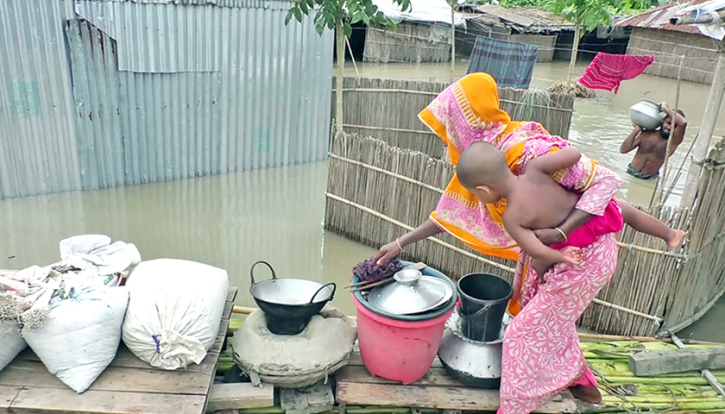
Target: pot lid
411,293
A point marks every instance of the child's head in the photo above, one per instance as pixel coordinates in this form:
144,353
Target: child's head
482,169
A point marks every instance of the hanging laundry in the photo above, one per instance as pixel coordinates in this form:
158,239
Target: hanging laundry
511,64
607,71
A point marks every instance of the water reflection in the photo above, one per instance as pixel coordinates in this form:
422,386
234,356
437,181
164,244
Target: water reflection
228,221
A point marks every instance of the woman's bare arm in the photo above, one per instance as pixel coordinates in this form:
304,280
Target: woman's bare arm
392,249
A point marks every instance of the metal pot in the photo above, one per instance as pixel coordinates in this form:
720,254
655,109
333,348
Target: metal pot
411,293
288,304
647,114
363,299
471,362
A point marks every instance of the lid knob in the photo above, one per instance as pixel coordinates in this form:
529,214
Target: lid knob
408,277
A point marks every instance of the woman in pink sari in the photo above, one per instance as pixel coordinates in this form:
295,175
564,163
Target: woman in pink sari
541,355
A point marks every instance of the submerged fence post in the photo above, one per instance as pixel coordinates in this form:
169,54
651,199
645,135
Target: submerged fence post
453,39
709,119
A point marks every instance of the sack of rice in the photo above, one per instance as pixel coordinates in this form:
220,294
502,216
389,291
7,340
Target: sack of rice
175,310
11,344
79,336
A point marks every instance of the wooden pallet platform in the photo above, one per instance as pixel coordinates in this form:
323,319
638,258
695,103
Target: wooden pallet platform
128,385
437,390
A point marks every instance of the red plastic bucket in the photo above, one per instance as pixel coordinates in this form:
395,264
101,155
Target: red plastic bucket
398,350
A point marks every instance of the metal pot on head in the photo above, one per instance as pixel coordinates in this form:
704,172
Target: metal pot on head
647,114
289,304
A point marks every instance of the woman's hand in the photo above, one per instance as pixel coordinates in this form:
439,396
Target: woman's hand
549,236
387,253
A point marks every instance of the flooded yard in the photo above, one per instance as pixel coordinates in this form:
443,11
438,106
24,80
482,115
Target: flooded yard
233,220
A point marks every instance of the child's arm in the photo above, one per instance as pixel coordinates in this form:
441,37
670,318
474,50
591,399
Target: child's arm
530,244
556,161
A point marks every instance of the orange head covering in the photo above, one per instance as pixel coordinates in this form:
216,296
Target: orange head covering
467,112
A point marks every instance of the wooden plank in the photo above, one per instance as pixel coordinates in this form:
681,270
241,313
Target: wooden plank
7,395
435,377
219,343
645,364
356,359
35,375
440,398
240,396
311,400
124,359
65,401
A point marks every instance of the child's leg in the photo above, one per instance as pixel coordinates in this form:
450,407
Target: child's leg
644,223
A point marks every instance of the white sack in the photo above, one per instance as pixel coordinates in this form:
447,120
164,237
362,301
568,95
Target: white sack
175,310
11,344
96,256
80,336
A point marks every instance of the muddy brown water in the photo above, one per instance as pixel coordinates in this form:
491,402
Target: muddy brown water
233,220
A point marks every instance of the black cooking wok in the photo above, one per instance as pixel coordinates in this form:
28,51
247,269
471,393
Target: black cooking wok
288,304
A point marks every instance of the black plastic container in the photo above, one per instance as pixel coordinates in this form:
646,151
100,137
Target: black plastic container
484,298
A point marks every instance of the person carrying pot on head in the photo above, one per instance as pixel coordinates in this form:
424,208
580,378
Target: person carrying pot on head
468,112
652,145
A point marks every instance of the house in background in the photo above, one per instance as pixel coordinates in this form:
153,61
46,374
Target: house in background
528,25
553,35
423,34
652,34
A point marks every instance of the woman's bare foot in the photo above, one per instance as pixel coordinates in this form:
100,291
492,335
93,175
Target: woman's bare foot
589,395
676,238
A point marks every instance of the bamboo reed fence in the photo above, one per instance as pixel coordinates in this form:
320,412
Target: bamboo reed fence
376,192
409,42
388,109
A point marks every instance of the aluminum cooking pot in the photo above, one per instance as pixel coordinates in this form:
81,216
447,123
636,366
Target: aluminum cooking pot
288,304
475,363
647,114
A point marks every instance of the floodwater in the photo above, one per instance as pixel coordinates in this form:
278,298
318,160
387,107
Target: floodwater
232,221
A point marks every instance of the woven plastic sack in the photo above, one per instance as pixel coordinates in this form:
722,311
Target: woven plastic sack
175,310
295,361
80,336
11,344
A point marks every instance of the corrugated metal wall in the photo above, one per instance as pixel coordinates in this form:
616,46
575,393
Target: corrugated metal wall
98,94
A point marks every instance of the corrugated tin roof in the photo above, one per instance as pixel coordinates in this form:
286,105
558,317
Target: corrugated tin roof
659,18
525,19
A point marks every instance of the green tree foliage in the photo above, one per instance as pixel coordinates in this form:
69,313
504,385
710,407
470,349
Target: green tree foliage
347,12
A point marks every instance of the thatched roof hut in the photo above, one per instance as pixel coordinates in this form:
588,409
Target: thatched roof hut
526,25
653,34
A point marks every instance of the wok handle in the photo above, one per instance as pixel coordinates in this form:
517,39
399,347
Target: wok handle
334,288
251,272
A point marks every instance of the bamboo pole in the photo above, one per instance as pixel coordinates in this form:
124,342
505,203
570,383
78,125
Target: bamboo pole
709,120
453,39
658,196
574,51
340,41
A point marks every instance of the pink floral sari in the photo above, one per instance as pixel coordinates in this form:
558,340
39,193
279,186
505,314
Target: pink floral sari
542,355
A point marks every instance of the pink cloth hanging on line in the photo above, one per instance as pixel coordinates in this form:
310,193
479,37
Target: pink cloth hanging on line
607,71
